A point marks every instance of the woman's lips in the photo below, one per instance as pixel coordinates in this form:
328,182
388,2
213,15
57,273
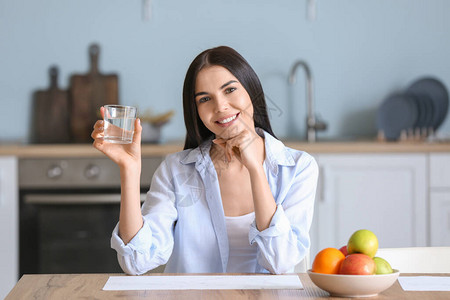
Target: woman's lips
228,121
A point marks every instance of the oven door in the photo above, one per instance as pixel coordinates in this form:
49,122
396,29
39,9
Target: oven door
68,231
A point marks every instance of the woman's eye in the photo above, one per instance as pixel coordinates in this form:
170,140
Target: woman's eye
203,99
230,90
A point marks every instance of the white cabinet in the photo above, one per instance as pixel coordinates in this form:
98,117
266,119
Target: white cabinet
440,171
385,193
8,224
439,199
440,218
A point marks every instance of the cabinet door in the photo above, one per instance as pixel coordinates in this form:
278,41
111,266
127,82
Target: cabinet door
8,224
440,218
439,170
440,199
385,193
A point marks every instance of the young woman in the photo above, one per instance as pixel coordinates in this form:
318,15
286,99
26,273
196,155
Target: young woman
234,200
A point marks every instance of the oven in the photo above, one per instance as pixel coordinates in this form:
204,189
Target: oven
68,209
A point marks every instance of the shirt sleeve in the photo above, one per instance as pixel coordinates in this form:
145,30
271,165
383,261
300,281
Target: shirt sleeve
153,243
286,241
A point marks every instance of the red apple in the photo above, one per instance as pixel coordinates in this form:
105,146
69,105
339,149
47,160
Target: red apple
357,264
343,249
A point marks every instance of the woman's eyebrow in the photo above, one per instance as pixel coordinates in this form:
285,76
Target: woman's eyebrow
224,85
229,82
200,93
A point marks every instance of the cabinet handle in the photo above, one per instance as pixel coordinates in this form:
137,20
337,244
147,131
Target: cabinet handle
2,189
322,185
61,199
448,221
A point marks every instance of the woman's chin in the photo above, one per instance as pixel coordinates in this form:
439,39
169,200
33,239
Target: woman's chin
229,132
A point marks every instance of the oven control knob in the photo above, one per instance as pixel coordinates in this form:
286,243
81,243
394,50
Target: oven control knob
54,172
92,171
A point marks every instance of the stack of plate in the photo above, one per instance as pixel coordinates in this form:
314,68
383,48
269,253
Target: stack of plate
424,106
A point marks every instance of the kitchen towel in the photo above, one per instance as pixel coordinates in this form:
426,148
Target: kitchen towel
425,283
203,282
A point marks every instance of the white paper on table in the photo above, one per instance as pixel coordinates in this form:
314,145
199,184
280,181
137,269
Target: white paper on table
425,283
203,282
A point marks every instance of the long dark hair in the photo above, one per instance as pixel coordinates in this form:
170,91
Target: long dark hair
231,60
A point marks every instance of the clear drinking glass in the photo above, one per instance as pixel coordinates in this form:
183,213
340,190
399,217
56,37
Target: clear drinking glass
119,123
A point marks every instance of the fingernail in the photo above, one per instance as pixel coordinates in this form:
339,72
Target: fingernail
100,128
139,121
101,122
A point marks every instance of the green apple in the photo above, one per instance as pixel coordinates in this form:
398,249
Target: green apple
382,266
363,241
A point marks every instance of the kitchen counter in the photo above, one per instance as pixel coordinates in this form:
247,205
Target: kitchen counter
87,150
89,286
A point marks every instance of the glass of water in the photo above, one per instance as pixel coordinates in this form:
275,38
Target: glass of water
119,123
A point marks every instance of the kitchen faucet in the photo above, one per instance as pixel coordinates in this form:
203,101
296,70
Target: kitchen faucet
312,124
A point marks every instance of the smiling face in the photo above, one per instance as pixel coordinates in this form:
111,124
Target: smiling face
223,104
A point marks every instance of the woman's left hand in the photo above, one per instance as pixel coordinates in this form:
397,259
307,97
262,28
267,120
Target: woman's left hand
247,147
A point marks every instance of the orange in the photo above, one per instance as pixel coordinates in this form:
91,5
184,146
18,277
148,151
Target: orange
328,261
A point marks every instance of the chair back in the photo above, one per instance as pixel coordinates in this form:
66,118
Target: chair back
417,259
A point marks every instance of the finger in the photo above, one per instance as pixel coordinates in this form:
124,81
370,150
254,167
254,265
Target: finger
97,136
137,131
220,142
98,130
236,145
98,124
102,111
229,151
241,141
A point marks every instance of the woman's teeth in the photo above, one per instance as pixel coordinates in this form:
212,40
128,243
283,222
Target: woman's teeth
228,120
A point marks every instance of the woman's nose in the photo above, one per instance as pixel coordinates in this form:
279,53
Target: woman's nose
221,104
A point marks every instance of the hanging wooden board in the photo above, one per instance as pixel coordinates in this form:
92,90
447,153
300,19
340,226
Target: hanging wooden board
51,113
88,93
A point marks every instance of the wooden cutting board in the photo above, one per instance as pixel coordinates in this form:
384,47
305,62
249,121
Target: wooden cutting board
51,113
88,93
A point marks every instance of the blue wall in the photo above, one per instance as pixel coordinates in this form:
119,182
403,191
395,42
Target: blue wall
359,52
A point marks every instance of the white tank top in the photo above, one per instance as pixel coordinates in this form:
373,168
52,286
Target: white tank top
242,258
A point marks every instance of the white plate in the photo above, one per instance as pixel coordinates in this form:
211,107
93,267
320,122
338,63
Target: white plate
353,285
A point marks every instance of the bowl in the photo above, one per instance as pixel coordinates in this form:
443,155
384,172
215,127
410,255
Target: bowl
353,285
150,133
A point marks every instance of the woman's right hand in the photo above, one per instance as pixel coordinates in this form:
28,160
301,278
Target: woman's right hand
124,155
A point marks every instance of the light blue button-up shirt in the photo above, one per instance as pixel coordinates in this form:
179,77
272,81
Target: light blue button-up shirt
184,223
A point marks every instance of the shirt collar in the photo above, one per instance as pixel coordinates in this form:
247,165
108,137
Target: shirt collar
198,154
276,152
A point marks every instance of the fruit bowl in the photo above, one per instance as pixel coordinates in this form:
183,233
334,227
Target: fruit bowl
353,285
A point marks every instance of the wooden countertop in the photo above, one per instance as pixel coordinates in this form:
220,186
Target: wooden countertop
87,150
89,286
